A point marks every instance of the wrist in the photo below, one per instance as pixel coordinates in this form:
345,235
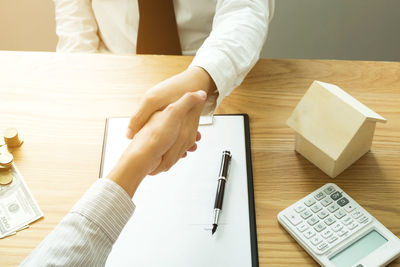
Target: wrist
129,172
201,79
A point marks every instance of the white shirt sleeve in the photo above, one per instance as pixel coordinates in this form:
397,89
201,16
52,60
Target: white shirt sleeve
233,47
76,26
87,233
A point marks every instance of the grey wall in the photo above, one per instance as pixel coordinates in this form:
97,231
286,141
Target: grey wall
335,29
327,29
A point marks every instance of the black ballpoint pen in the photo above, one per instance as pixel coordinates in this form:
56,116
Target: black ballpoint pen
219,197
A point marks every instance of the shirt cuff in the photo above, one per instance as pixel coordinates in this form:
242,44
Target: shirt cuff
221,70
107,205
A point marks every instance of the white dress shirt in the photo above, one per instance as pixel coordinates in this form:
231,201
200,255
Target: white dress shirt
226,35
85,236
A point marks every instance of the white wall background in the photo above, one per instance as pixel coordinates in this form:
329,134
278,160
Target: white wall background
327,29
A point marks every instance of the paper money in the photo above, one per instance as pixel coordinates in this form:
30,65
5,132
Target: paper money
18,208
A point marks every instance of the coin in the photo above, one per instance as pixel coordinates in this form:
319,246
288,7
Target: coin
11,137
4,168
5,178
6,158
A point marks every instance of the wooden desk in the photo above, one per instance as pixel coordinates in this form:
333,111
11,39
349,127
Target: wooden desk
59,103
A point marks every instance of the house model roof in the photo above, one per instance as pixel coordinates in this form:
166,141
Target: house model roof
328,117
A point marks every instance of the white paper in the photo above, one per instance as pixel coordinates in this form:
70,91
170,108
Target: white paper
174,210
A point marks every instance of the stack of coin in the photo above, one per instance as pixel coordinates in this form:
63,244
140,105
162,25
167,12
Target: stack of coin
11,138
6,160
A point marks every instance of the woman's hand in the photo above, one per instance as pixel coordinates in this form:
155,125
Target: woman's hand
154,141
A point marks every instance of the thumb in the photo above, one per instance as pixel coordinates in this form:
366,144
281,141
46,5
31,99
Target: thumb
145,110
187,102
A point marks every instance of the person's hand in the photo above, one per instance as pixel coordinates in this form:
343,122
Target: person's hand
151,143
160,96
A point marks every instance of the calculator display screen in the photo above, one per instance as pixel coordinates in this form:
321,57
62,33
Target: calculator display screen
359,249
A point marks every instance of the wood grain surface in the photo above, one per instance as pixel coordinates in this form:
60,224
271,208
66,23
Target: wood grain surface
59,103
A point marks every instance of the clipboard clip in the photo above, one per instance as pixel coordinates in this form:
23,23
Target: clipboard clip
206,120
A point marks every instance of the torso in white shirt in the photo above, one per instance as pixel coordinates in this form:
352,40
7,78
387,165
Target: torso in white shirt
118,22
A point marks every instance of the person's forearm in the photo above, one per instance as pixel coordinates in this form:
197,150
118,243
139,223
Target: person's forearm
234,44
200,79
76,26
130,170
196,78
192,79
87,233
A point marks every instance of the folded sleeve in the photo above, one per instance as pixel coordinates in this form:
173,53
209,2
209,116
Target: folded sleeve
233,47
86,235
76,26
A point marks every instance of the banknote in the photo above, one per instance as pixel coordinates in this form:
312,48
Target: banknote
18,208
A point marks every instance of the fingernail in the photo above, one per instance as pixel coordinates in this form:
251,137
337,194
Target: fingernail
202,94
129,133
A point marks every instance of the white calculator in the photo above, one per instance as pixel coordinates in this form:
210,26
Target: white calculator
336,231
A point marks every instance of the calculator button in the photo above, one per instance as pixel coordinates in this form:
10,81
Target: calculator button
347,220
322,246
319,227
316,240
356,214
340,214
327,233
343,201
309,202
305,214
302,227
313,220
336,195
332,239
293,218
337,227
342,232
362,219
352,225
322,214
329,190
326,201
320,195
330,220
309,233
368,220
349,208
315,208
333,207
299,208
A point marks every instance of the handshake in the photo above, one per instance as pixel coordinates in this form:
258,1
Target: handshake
163,129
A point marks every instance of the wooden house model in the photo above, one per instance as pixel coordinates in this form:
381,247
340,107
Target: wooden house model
333,129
